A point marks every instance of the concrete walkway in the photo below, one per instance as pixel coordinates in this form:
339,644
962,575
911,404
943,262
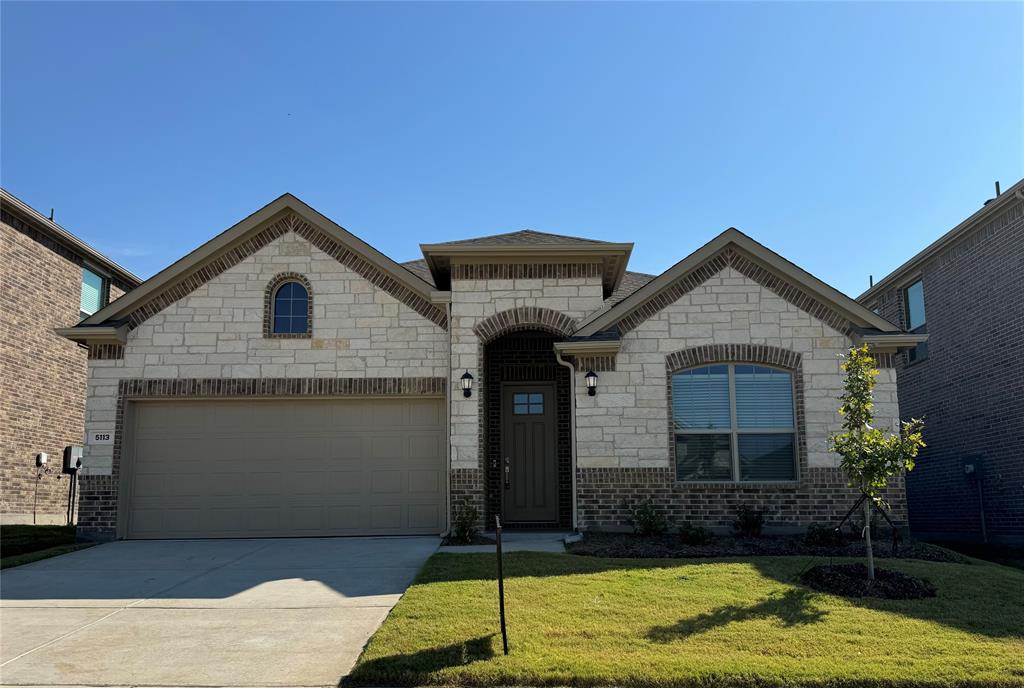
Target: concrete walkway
282,612
518,541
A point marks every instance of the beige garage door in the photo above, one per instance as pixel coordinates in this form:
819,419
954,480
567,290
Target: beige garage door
285,468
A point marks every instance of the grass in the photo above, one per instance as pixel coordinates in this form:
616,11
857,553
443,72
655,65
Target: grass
29,557
584,621
23,544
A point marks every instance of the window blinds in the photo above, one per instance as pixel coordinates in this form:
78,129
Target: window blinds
700,398
92,293
764,397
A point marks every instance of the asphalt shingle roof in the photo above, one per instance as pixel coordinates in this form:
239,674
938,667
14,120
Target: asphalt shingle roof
524,237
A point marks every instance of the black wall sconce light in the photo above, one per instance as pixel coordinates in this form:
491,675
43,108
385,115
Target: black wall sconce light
467,385
591,378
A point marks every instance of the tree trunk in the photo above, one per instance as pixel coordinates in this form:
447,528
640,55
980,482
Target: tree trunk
867,539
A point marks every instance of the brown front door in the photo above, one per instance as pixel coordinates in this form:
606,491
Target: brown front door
529,471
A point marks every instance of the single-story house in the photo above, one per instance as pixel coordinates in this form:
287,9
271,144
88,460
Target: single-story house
288,379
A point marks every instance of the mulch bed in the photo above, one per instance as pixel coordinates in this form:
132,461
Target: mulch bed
851,580
629,546
478,539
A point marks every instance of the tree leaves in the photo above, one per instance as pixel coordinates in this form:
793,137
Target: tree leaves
869,456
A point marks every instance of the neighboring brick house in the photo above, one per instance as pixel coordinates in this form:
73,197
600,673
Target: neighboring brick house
286,378
48,278
966,290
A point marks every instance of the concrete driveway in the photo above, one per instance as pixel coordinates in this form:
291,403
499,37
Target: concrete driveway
281,612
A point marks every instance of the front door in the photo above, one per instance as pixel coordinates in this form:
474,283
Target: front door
529,471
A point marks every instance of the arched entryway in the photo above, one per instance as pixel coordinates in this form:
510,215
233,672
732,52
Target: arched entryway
527,431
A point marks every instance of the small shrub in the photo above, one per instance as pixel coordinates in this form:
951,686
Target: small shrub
465,528
819,535
696,536
647,520
749,522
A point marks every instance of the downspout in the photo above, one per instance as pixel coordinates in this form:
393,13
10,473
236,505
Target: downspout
572,428
448,433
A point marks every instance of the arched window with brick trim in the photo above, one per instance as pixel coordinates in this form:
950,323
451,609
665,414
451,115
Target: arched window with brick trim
288,309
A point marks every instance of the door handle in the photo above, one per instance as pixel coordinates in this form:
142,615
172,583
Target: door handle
508,470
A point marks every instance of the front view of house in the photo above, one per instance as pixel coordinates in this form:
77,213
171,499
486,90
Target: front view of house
287,379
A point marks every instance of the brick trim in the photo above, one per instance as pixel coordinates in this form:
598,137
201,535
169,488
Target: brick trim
106,352
732,353
523,318
133,388
482,271
268,306
290,222
99,500
599,363
707,354
748,267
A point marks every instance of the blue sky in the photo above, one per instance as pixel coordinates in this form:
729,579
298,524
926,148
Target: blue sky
844,136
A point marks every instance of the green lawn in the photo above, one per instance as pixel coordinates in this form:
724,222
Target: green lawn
23,544
582,621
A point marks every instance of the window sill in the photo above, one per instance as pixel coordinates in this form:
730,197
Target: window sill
736,484
288,335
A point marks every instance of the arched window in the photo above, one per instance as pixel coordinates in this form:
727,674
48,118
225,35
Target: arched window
734,422
291,309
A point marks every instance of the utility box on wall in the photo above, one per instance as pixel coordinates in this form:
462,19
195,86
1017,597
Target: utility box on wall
72,460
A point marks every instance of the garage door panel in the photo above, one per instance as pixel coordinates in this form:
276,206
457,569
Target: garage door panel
426,516
286,467
387,482
424,482
343,482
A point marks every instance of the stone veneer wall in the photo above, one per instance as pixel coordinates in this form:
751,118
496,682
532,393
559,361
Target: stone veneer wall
216,332
622,432
544,297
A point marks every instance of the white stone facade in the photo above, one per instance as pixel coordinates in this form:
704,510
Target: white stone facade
477,299
359,331
626,424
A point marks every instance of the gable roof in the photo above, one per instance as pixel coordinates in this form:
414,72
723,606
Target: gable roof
45,226
701,264
901,275
242,239
524,237
529,246
631,281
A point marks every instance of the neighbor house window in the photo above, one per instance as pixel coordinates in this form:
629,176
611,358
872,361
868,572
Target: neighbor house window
913,298
291,309
734,422
94,293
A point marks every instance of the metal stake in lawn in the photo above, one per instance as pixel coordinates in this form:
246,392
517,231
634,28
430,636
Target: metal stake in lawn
501,584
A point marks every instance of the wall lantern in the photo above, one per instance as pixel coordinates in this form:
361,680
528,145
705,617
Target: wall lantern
591,378
467,385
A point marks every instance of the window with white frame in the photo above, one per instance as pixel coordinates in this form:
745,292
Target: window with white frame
734,422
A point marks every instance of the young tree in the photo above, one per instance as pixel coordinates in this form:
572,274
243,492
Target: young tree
869,456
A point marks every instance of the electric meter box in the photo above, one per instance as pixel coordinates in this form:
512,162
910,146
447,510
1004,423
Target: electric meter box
72,459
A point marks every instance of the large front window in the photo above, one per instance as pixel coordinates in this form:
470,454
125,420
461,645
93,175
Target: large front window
734,422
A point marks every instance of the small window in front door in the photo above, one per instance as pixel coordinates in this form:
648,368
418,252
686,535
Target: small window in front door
527,404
